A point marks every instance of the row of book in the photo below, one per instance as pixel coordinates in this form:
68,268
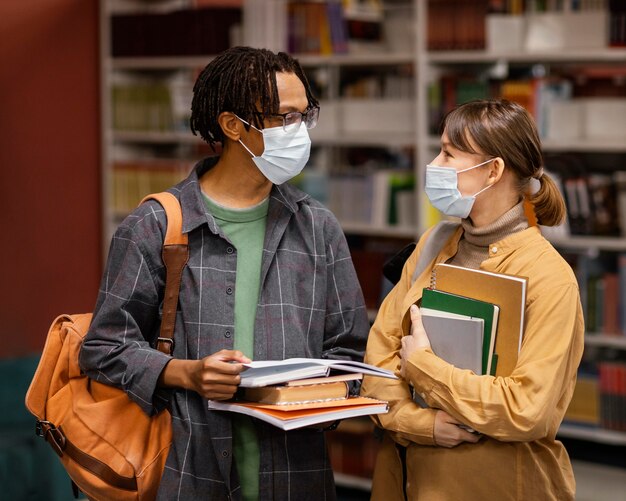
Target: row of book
133,180
317,28
379,199
517,25
183,32
599,398
146,104
586,103
602,285
385,85
595,202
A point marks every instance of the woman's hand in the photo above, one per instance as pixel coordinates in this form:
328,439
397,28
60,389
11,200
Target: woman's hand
416,340
215,377
448,431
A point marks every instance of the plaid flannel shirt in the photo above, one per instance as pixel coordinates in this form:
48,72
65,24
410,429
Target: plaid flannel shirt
310,305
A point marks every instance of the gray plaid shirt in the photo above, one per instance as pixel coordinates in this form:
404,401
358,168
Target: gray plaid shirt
310,305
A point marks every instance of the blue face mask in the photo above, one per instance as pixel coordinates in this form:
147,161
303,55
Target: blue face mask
442,190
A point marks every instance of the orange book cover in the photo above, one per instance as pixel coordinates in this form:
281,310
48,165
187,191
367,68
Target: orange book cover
294,416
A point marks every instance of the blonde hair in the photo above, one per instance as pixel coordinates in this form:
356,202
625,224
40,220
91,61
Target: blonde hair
501,128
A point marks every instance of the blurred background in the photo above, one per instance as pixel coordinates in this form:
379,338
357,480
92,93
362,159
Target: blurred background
95,100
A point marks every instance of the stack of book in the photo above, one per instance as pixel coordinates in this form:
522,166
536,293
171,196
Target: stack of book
475,319
299,392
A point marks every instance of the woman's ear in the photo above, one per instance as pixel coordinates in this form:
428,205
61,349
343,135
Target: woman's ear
496,170
230,124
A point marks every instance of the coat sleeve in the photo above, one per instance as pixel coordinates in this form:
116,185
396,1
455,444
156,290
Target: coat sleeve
519,407
346,323
117,348
406,420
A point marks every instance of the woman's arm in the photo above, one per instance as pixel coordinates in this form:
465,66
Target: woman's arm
519,407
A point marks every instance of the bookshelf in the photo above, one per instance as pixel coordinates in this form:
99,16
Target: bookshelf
351,124
494,61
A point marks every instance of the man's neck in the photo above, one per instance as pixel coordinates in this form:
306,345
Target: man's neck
235,182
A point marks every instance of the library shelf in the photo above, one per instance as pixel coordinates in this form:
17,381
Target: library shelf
617,341
364,59
160,63
610,55
599,435
156,137
381,231
352,481
601,145
580,242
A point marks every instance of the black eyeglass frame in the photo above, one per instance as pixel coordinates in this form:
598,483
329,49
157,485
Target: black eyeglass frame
303,116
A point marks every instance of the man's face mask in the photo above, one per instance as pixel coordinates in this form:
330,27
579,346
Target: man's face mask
285,152
442,190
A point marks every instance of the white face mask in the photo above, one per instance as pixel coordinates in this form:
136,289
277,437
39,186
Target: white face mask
442,190
285,153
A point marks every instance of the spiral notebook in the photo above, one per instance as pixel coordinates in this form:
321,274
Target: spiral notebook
508,292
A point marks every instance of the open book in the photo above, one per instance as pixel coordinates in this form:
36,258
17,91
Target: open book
293,416
267,372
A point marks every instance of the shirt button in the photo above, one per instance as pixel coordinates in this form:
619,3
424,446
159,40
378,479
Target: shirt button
227,334
494,249
225,454
230,250
229,290
423,395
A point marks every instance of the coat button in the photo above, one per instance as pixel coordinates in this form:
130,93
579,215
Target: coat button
227,334
230,250
494,249
225,454
229,291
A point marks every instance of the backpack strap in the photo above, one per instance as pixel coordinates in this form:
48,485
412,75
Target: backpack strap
175,256
439,236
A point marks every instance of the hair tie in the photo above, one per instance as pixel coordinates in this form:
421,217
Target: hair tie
539,173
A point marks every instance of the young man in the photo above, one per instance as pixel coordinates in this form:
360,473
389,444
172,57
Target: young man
269,277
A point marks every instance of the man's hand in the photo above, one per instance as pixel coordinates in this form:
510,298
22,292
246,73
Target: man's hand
448,432
416,340
215,377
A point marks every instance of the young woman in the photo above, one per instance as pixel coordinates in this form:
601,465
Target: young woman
486,173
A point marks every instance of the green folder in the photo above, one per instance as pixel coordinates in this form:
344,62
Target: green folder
452,303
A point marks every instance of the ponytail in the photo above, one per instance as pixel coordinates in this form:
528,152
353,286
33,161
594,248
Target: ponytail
548,202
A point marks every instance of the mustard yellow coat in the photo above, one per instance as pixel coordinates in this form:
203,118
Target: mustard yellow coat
518,457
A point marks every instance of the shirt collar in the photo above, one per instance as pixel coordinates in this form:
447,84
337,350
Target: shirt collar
194,209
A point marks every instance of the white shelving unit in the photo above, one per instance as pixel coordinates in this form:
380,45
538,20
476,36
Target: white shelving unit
430,63
425,64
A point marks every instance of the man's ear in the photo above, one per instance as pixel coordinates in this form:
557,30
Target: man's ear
230,124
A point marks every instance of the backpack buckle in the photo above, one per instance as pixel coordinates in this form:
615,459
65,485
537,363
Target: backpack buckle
53,435
169,349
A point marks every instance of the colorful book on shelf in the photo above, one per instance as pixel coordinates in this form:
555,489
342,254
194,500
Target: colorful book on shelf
302,390
508,292
457,339
488,312
267,372
294,416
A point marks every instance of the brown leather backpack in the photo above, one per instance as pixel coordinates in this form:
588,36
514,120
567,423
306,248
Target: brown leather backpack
110,448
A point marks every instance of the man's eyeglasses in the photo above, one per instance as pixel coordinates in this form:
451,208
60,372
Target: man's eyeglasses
293,119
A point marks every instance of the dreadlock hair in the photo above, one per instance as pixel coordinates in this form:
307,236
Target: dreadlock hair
238,80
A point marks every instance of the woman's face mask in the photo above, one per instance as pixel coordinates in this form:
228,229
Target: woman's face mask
442,190
285,153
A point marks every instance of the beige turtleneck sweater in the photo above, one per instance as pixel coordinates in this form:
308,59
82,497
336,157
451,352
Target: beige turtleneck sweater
474,244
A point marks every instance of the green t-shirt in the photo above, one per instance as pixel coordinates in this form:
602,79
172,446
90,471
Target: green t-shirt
246,230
